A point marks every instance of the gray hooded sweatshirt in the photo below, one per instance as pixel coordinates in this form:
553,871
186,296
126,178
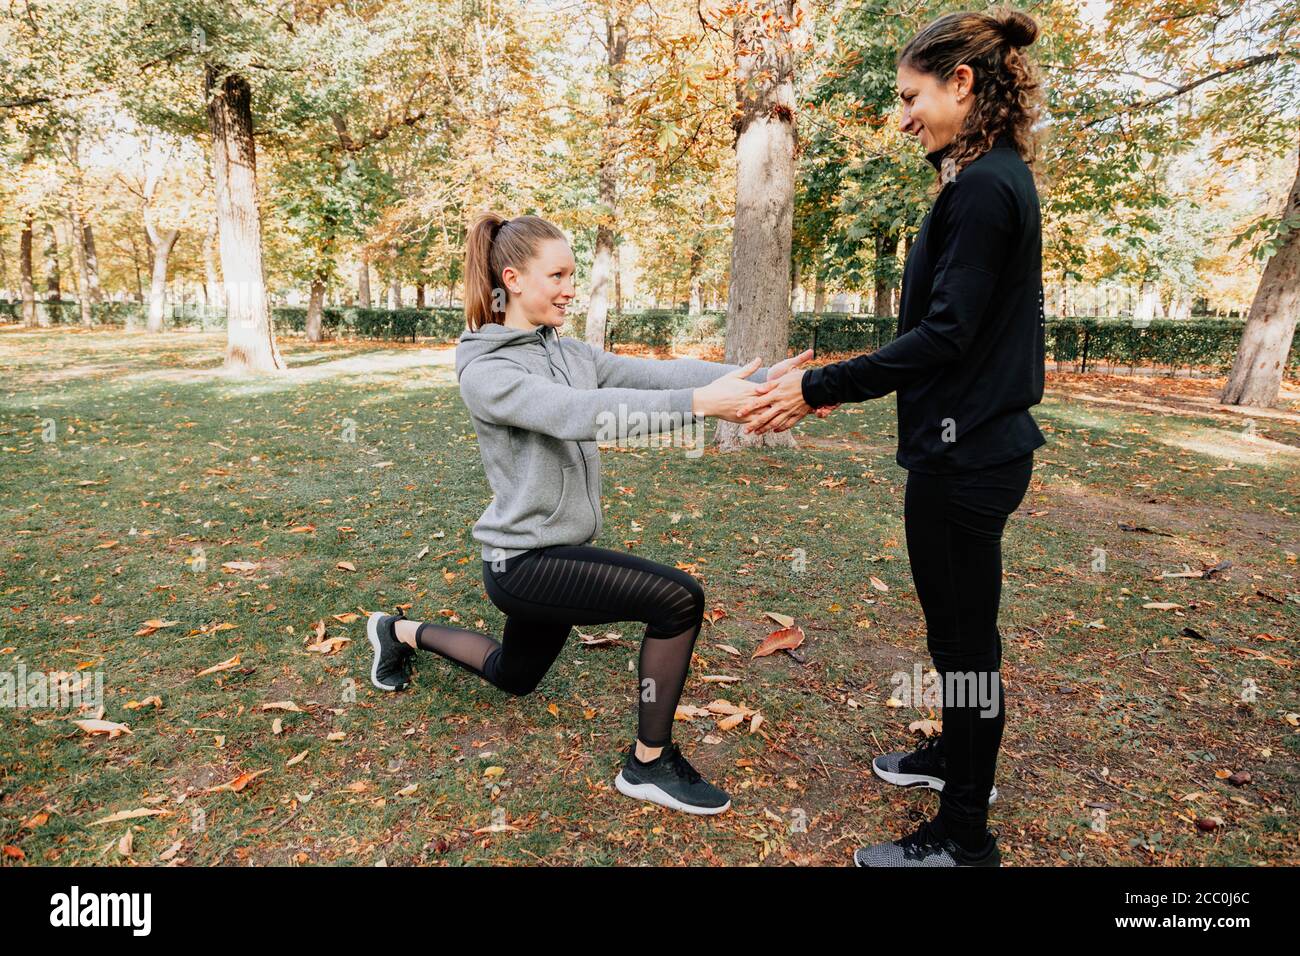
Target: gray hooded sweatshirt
539,403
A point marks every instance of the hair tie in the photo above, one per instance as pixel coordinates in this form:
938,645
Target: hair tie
499,226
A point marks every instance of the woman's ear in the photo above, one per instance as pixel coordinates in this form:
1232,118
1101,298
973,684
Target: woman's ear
962,82
510,279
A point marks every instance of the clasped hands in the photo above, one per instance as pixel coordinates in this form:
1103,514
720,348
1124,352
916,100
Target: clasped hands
775,405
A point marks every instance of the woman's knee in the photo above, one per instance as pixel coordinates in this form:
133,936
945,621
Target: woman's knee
684,610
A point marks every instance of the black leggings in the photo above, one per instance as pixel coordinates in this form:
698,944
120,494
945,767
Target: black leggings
954,543
545,592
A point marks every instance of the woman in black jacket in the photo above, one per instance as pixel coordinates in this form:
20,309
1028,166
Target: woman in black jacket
967,366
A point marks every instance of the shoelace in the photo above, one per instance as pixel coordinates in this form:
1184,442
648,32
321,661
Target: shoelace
682,767
922,843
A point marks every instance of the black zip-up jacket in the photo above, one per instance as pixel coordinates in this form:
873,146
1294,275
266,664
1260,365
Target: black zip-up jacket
967,361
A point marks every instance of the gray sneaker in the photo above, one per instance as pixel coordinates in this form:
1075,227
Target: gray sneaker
923,848
923,767
391,667
670,781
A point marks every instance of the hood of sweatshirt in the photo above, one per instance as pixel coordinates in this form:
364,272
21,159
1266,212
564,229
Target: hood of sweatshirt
493,337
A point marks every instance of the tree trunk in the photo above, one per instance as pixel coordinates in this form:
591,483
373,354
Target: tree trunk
419,295
92,262
618,280
316,309
696,263
25,273
602,267
1257,371
164,240
76,228
250,340
758,302
53,288
1148,299
819,294
395,292
363,282
212,291
885,264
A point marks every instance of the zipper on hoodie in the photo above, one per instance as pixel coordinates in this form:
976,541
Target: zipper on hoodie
586,478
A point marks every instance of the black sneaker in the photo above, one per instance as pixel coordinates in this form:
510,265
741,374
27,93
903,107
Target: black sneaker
923,767
925,848
670,781
391,667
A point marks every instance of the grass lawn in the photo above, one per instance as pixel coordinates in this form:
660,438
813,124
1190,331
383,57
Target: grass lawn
243,517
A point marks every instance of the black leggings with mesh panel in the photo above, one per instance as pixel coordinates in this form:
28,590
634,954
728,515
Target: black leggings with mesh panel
544,593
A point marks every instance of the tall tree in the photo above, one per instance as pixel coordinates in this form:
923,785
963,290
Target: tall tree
1256,376
758,302
602,269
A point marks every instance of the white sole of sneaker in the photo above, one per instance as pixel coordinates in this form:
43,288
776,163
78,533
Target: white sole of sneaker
372,632
652,794
916,780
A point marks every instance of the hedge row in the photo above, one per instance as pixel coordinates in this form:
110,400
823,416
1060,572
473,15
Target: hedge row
1083,342
440,323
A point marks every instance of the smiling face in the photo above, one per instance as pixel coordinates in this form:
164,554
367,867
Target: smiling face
933,110
541,291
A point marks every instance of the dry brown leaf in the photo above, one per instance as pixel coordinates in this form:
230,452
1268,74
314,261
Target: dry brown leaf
329,646
784,620
788,638
131,815
223,666
283,705
94,727
239,783
152,701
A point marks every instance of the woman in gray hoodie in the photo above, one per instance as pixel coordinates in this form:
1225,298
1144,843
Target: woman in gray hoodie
540,403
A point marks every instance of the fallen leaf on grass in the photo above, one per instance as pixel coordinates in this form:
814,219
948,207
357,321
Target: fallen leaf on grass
783,619
283,705
346,566
93,727
296,758
788,638
223,666
152,625
928,728
236,566
131,815
726,723
151,701
239,783
329,646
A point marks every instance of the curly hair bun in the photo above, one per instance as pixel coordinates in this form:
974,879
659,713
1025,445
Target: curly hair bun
1019,29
